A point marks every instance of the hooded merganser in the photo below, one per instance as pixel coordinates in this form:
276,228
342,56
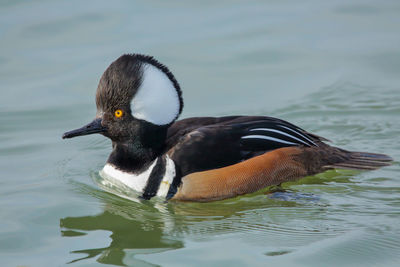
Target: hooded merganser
203,158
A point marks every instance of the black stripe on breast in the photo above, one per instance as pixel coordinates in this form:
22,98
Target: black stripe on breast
175,184
155,178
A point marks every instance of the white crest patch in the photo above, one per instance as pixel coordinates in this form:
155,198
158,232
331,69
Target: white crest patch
156,100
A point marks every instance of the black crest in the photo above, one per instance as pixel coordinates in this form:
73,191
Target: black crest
121,80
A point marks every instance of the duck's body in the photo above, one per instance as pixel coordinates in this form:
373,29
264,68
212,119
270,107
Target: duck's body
202,158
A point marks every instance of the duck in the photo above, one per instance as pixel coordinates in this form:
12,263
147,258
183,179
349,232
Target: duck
199,159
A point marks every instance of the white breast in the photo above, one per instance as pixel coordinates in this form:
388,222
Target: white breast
139,181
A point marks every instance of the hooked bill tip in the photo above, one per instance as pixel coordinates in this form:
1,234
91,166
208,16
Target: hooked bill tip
68,135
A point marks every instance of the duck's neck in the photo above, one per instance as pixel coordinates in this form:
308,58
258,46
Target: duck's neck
137,154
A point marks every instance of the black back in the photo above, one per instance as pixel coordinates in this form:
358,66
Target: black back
199,144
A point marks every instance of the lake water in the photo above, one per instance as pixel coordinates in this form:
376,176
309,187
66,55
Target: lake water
331,67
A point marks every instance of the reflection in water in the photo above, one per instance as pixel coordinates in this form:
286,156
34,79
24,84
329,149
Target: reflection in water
127,233
146,227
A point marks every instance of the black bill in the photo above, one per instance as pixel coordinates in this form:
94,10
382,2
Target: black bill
91,128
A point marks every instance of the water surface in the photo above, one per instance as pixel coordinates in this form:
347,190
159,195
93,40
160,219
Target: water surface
332,68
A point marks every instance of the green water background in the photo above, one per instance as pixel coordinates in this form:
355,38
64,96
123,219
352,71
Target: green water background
332,68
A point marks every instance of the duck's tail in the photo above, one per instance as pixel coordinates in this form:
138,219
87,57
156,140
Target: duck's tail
362,161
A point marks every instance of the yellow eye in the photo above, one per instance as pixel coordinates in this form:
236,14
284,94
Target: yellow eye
118,113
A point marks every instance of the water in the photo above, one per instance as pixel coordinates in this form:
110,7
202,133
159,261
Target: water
330,67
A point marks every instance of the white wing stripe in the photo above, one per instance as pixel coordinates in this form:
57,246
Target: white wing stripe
279,132
298,134
267,138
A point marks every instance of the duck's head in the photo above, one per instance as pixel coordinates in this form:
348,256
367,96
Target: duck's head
137,98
